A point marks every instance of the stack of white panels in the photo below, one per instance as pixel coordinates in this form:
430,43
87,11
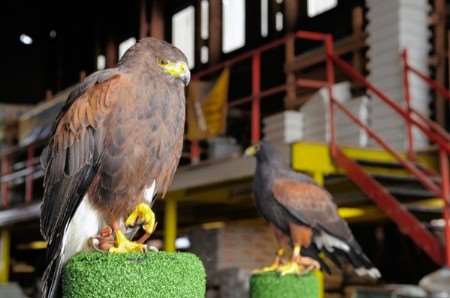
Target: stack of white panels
347,131
285,127
315,112
395,25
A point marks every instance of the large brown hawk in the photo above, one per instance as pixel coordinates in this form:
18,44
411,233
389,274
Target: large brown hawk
303,213
115,145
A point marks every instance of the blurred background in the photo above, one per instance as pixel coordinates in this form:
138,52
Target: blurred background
329,82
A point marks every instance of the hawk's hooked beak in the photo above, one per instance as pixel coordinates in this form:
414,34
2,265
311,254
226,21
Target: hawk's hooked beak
179,70
252,150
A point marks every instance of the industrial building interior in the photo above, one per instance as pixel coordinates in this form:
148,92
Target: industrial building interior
352,92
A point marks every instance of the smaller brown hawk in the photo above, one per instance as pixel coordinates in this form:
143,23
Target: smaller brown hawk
301,211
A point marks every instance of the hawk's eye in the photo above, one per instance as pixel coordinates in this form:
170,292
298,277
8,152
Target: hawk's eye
161,61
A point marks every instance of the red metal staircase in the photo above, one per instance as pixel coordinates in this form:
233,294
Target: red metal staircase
439,185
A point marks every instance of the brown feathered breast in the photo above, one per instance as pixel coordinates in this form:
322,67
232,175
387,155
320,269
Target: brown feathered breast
139,133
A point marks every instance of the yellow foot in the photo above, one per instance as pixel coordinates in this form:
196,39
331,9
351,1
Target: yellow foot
291,268
271,268
299,266
142,214
123,245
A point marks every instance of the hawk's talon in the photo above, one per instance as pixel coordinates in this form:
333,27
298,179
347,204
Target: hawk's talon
291,268
152,248
272,268
123,245
275,265
299,265
144,215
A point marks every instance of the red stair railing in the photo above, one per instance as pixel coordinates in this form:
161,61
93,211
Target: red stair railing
407,222
443,154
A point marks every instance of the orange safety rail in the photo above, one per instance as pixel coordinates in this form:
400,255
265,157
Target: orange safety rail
258,94
20,170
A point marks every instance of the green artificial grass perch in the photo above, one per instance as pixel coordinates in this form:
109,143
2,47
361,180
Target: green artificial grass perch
135,275
271,285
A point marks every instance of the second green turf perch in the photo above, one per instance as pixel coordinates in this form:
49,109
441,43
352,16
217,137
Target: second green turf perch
136,275
272,285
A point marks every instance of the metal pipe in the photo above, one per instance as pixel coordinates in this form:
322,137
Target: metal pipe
306,83
330,83
312,35
424,179
446,197
29,178
431,125
433,84
345,67
411,153
239,58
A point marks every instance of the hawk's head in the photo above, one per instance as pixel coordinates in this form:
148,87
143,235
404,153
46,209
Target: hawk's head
159,56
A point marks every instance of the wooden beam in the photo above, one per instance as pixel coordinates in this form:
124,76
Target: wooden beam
440,50
358,33
291,88
215,30
157,19
291,13
143,23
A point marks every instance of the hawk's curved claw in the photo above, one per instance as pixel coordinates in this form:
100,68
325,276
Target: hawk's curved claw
275,265
142,214
124,245
300,266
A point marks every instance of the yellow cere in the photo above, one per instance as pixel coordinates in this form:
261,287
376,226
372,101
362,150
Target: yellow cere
175,69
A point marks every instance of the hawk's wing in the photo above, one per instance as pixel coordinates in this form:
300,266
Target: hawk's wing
70,160
311,205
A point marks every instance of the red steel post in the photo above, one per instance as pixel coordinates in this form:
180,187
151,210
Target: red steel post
407,95
195,152
256,93
446,197
330,82
29,177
